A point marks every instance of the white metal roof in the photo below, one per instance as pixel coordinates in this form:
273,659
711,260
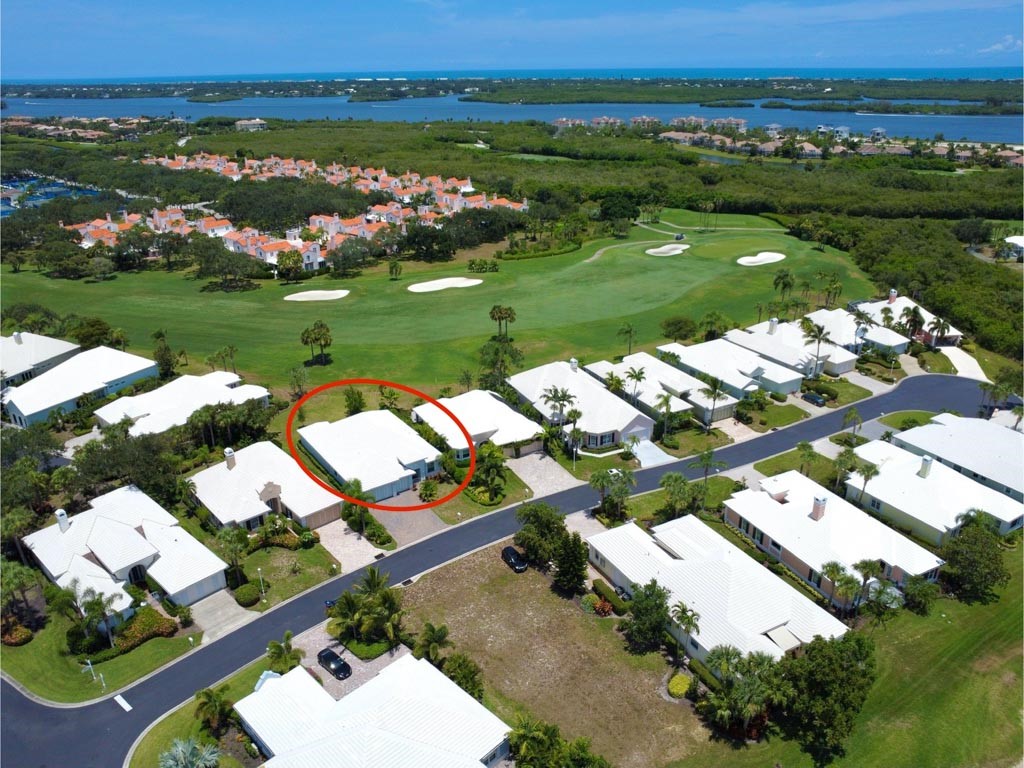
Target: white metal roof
484,415
900,303
738,600
845,331
233,495
937,499
108,529
991,450
602,411
737,367
172,404
23,351
376,447
87,574
409,714
87,371
660,378
789,344
183,560
846,534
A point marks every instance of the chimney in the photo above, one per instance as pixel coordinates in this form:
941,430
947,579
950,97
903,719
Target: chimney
574,364
818,510
62,520
892,295
17,337
108,217
229,456
926,466
60,223
773,325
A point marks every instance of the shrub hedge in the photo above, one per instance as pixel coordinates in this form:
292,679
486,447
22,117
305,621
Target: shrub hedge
778,397
247,595
144,625
704,674
16,635
678,685
620,606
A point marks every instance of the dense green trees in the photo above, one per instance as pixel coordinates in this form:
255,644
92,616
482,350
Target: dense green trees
648,618
371,612
974,560
542,529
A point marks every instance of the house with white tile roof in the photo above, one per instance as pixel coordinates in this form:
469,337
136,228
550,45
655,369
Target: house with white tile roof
845,331
25,355
661,378
898,305
803,526
786,344
172,404
409,714
96,372
919,494
486,417
123,537
375,447
984,451
607,420
740,602
259,480
740,370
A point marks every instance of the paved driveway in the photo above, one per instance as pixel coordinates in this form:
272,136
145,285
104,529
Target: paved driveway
219,614
650,455
965,365
314,640
348,547
543,474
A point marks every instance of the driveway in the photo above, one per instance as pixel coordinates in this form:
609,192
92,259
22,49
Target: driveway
965,365
219,614
348,547
650,455
75,443
314,640
584,524
543,474
407,527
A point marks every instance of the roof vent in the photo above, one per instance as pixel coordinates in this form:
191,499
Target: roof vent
62,520
229,457
574,364
926,466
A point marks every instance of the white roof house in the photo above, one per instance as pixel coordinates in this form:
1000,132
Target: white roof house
409,714
100,371
484,415
845,331
785,343
606,420
24,355
740,370
121,537
172,404
740,602
924,495
808,526
260,479
375,447
989,453
897,304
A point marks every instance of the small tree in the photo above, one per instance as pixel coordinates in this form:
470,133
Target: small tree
282,655
648,617
431,642
289,265
233,543
678,493
213,708
354,401
807,455
706,461
542,529
629,333
571,564
919,594
974,562
466,674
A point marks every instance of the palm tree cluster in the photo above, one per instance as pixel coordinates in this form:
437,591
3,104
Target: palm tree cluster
372,612
536,744
490,471
615,488
502,316
750,686
188,753
223,356
317,335
282,655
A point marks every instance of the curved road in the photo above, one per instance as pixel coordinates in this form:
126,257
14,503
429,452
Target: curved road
99,735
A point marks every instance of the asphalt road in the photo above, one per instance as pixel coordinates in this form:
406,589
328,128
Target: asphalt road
99,735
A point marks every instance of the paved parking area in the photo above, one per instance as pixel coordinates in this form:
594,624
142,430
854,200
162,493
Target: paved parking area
650,455
584,524
738,431
407,527
543,474
348,547
965,365
314,640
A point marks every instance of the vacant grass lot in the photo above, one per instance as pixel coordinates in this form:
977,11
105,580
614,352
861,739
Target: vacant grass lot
45,667
848,392
647,506
775,416
565,305
936,362
822,469
896,419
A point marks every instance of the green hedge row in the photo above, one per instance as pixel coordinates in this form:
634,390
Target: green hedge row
620,606
541,254
704,674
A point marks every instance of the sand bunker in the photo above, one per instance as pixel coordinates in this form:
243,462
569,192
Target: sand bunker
444,282
667,250
316,296
764,257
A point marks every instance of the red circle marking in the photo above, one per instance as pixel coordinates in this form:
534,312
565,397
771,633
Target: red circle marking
372,505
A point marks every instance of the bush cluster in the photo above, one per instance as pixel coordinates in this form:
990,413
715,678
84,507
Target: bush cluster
823,389
15,635
247,595
483,265
704,674
678,685
144,625
778,397
620,606
589,602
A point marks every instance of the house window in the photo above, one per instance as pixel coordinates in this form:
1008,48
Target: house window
775,547
693,643
814,577
592,441
745,526
608,438
875,504
758,536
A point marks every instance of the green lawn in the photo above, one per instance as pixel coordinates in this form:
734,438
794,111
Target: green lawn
848,392
45,667
695,440
821,471
775,416
682,217
182,724
992,362
585,466
936,362
462,507
646,507
381,330
286,573
896,419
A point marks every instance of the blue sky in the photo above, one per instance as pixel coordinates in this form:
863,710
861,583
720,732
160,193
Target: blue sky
97,38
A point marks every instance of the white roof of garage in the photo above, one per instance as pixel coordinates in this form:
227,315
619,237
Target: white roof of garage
484,415
183,560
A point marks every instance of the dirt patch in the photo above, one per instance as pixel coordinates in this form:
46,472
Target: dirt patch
531,643
994,661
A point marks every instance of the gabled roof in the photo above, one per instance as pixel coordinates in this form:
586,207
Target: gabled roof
898,305
484,415
86,574
782,510
990,450
183,560
788,344
737,367
739,601
23,351
660,378
845,331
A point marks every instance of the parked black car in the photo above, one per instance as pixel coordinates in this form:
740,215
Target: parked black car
814,398
333,663
514,559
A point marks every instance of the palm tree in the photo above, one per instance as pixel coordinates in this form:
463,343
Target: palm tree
559,397
15,523
635,375
706,461
350,509
119,338
863,320
867,472
832,570
97,608
678,492
602,481
845,462
807,455
723,661
614,383
345,616
886,313
759,306
233,543
688,621
714,324
847,588
664,404
868,570
817,335
852,418
188,753
373,583
1018,411
912,319
282,655
532,741
497,314
714,390
628,332
431,641
938,328
229,353
213,708
783,282
184,490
